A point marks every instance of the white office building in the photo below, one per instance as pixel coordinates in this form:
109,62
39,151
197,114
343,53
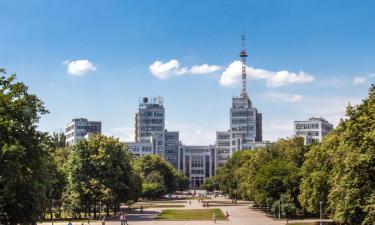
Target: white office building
79,129
312,130
198,163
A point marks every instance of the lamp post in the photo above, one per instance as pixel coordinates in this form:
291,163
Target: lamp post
321,203
279,210
52,207
100,208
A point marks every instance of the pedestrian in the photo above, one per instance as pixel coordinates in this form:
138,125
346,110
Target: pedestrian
226,216
189,202
141,208
126,219
70,223
214,218
122,218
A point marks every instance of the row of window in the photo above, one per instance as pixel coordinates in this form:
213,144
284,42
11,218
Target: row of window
311,133
243,113
308,126
242,128
221,136
152,128
151,113
155,121
237,121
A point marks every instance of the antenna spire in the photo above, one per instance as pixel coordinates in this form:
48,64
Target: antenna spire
243,56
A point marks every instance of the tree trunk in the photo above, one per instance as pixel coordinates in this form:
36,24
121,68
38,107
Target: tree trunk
95,210
107,210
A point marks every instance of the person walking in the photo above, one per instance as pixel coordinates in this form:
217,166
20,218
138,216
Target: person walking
122,218
214,218
126,219
70,223
226,216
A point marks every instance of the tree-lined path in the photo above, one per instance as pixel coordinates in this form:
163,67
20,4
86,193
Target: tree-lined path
240,214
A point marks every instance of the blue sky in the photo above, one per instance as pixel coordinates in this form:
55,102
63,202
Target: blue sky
95,59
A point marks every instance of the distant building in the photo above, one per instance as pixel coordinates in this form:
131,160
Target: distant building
151,137
80,128
245,130
312,130
149,123
198,163
171,147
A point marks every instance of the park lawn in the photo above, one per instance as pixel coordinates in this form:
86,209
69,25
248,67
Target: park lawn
165,206
190,214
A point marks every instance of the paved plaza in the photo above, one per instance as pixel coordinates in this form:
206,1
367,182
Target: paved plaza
239,215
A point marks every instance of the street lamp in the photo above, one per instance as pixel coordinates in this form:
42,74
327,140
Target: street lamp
52,206
100,208
321,203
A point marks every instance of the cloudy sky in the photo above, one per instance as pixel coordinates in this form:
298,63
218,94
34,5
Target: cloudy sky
95,59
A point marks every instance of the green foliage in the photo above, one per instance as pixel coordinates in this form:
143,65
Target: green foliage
273,179
285,205
152,190
183,181
99,170
340,171
155,170
210,184
24,153
263,175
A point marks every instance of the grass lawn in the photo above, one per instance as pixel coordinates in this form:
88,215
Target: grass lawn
165,206
191,214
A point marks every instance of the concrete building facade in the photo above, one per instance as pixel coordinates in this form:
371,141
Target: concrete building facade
80,128
312,130
198,163
150,123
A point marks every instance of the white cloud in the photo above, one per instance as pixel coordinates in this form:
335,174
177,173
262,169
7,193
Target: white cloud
232,76
276,129
123,133
165,70
195,133
79,67
204,69
372,75
357,80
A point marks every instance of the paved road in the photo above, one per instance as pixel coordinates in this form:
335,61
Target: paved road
239,215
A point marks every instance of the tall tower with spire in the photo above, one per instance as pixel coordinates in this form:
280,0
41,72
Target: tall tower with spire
243,55
245,131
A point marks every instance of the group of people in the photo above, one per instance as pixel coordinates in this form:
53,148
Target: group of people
124,219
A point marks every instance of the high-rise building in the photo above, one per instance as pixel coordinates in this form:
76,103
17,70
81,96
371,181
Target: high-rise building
312,130
150,123
245,130
171,148
80,128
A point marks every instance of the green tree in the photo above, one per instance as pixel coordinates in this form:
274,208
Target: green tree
183,181
148,165
340,171
99,170
23,154
274,179
210,184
